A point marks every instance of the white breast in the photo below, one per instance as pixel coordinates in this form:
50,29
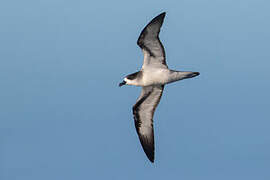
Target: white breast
155,76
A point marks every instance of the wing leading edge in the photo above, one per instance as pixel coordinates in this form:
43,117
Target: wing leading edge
143,112
150,43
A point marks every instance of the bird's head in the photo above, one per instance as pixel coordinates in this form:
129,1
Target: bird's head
127,81
130,79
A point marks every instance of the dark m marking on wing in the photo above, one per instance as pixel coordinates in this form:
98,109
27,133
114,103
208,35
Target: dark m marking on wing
136,109
145,35
146,142
147,49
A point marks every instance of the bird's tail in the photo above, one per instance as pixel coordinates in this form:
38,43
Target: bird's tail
180,75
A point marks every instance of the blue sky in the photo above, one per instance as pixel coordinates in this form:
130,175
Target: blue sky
63,116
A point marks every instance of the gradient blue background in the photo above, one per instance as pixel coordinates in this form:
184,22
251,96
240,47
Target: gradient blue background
63,116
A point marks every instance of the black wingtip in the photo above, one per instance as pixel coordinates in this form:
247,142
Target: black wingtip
160,17
157,20
150,153
150,156
151,160
148,147
162,14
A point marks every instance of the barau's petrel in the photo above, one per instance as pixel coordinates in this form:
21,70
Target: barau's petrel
153,75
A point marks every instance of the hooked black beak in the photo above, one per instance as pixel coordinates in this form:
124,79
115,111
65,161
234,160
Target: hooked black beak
122,83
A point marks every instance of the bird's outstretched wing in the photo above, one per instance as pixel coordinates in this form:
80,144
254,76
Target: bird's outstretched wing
153,50
143,112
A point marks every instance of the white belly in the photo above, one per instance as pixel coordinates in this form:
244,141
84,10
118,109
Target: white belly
155,76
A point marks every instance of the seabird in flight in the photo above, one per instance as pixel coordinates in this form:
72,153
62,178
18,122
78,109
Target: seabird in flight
152,77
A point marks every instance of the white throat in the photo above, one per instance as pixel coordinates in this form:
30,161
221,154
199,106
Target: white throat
131,82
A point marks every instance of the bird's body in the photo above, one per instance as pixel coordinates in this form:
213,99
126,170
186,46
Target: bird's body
158,76
152,77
